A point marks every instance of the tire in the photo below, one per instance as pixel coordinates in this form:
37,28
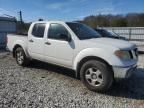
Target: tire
21,58
96,76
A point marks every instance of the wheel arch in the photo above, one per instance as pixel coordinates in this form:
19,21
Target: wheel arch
21,46
15,47
85,59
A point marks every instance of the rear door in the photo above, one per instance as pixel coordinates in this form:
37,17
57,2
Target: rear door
36,41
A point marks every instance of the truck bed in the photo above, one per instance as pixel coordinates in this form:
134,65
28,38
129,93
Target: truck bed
15,38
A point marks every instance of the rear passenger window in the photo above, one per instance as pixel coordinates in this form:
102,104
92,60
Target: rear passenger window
38,30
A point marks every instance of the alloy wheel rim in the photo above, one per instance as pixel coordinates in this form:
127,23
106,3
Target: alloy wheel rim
94,76
20,57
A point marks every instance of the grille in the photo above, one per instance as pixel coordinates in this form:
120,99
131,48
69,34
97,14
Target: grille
134,53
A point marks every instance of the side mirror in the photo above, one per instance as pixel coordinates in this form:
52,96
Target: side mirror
65,37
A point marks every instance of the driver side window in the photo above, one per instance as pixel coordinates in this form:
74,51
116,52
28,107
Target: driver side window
55,30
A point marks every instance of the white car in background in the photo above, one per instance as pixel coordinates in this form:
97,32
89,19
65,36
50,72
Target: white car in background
109,34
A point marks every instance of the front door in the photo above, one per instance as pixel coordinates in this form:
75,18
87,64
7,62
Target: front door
57,49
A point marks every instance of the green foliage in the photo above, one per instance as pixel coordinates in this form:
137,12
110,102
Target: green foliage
128,20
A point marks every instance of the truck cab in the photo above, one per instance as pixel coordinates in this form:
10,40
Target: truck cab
54,42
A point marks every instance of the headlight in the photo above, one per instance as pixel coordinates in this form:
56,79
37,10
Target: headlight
123,54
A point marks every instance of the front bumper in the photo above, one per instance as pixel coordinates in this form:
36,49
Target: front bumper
123,72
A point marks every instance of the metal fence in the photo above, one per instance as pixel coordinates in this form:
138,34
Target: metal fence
133,34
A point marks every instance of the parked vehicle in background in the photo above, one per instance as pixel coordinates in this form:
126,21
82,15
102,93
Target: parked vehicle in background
97,61
108,34
2,40
7,25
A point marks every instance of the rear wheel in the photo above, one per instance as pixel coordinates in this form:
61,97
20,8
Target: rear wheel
96,76
21,58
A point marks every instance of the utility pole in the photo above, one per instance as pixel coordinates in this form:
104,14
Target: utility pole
22,26
20,16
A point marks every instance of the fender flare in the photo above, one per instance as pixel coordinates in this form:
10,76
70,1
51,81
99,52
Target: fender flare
92,52
21,44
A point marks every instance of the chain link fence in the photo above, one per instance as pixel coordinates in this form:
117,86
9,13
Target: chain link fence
133,34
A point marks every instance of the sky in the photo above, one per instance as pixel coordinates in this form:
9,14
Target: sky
68,10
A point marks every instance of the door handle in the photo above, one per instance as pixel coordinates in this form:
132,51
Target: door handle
47,43
31,40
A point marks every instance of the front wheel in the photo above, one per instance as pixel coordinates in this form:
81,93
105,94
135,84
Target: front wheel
21,58
96,76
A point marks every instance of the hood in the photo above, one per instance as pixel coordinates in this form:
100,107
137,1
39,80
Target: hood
121,44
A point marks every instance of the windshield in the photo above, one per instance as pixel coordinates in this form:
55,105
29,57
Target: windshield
82,31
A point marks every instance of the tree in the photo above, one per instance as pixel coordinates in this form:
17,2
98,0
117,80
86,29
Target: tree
119,21
131,19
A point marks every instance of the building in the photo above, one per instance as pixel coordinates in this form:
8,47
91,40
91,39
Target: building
7,25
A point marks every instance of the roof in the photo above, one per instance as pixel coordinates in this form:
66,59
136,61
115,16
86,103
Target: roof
11,19
53,21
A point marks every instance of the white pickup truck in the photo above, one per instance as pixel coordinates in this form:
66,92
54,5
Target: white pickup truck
96,60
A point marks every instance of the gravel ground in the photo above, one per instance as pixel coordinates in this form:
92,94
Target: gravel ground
44,85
